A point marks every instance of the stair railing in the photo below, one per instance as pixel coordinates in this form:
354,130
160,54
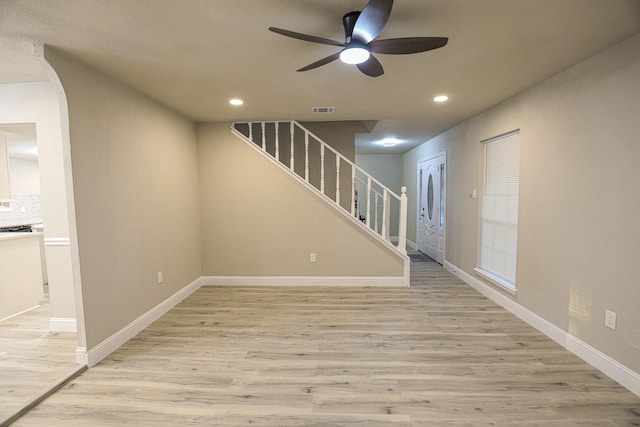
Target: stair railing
312,160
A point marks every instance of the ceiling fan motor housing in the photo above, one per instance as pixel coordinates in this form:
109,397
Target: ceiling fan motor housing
349,22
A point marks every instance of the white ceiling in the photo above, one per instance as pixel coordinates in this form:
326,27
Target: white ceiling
195,55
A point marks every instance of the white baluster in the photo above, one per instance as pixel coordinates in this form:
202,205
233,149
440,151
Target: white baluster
385,226
368,201
402,230
337,179
322,168
353,190
375,207
277,143
291,160
250,131
306,156
264,136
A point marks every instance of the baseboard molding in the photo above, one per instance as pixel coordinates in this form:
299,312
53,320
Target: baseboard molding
57,241
303,281
412,245
81,355
611,367
106,347
63,324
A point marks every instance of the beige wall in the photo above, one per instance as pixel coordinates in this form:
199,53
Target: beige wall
135,183
579,233
341,136
386,168
257,221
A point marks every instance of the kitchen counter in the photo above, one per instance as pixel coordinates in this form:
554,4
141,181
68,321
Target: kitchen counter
19,221
20,273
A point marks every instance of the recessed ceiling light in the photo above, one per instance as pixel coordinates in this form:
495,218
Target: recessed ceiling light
389,142
236,101
441,98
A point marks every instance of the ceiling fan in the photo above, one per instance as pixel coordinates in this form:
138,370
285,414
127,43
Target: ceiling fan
360,30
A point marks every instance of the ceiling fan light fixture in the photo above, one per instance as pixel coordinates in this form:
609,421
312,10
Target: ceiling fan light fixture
354,55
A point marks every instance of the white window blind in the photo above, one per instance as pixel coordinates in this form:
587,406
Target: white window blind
500,208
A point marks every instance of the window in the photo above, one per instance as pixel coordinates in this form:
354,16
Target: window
499,239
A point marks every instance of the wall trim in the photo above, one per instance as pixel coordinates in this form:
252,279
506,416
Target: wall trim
412,245
81,355
391,281
63,324
57,241
608,365
106,347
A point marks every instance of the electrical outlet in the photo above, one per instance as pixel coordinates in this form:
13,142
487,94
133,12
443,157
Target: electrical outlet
160,279
610,319
312,257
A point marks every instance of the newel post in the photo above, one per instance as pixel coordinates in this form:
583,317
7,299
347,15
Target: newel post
402,231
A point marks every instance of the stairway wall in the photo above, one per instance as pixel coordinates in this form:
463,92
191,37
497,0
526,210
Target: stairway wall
258,221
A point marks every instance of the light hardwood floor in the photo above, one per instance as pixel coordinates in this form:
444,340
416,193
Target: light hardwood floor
437,354
31,357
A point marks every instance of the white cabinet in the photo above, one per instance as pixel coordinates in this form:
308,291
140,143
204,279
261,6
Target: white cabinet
20,274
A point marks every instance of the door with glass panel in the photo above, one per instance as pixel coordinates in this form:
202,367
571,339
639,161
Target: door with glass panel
431,207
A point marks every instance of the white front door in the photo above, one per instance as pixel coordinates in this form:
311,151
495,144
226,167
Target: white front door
431,198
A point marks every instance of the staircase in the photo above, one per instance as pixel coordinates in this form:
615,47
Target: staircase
335,178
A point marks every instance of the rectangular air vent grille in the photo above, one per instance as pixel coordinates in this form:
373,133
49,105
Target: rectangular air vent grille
323,110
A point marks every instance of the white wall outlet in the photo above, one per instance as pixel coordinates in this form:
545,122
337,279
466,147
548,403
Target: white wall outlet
610,319
160,279
312,257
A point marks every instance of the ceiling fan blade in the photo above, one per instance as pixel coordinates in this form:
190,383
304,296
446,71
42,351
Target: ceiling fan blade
372,20
306,37
371,67
321,62
407,45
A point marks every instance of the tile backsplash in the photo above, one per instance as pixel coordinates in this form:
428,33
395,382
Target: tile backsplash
26,207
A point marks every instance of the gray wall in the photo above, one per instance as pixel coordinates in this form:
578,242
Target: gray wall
135,181
386,168
578,233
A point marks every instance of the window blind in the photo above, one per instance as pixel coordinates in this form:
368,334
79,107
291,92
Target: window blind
498,248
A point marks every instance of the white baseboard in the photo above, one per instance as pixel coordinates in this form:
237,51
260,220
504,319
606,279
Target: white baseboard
81,355
302,281
63,324
611,367
106,347
412,245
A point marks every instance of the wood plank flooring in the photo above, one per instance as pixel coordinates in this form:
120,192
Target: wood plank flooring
31,357
437,354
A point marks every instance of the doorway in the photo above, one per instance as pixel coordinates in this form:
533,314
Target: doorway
431,207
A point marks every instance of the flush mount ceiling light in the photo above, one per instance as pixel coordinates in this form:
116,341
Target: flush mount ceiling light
389,142
441,98
236,101
354,55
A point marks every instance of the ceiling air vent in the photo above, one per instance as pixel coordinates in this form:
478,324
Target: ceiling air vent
323,110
